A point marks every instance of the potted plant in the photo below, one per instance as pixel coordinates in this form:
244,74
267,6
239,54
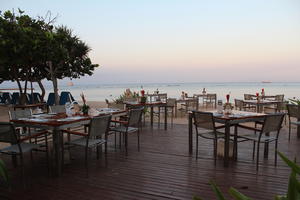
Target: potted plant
85,108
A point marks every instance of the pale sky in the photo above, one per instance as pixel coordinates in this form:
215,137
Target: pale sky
141,41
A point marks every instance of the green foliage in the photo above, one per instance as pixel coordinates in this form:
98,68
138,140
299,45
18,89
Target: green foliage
293,192
3,172
295,101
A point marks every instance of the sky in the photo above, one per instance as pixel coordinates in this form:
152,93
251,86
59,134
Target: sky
136,41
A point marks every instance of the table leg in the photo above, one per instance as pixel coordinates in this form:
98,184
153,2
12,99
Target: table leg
190,133
226,144
57,151
166,117
151,116
175,109
298,129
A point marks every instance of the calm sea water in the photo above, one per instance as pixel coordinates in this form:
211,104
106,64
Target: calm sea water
100,92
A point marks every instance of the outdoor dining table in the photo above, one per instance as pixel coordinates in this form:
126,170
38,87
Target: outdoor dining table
26,106
259,104
58,122
184,102
151,105
235,118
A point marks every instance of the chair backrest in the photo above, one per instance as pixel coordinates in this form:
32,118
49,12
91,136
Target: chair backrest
7,97
293,110
249,96
16,114
272,122
204,120
239,104
7,133
65,97
51,99
279,97
57,109
15,98
211,97
37,98
171,102
99,125
135,116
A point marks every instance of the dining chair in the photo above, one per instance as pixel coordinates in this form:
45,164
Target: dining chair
210,99
269,132
98,127
170,109
27,133
132,125
205,128
57,109
17,145
293,112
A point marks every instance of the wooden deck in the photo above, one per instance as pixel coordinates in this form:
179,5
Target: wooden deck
162,169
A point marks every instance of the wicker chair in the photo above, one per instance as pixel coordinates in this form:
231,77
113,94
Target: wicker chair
210,99
205,127
130,126
272,123
99,127
293,112
8,134
57,109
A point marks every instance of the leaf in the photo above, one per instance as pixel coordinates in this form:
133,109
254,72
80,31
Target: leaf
217,191
237,195
196,198
280,197
290,163
292,188
3,171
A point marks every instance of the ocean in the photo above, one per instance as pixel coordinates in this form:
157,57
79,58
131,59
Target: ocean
100,92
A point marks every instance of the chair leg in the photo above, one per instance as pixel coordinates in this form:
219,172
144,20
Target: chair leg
126,143
115,141
276,146
215,151
197,141
86,162
138,136
257,156
22,170
105,153
172,117
289,130
253,152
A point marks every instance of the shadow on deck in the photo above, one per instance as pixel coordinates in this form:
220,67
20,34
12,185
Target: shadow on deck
162,169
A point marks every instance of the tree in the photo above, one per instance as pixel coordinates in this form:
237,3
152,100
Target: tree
33,50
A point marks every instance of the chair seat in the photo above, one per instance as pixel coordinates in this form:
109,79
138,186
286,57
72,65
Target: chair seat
255,138
14,149
122,129
208,134
296,123
82,142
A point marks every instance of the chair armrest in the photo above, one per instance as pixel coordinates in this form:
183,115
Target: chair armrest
248,127
119,121
219,127
33,136
74,133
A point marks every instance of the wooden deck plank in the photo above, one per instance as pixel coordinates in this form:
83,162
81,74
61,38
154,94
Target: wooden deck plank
162,169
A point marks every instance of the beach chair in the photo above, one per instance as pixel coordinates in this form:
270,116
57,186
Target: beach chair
51,99
7,98
15,98
65,97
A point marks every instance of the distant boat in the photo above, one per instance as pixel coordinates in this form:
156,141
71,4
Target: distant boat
266,82
70,83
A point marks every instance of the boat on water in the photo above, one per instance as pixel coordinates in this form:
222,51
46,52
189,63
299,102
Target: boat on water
266,82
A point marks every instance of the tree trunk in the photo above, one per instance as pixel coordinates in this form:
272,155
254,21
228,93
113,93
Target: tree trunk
42,89
21,92
54,82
